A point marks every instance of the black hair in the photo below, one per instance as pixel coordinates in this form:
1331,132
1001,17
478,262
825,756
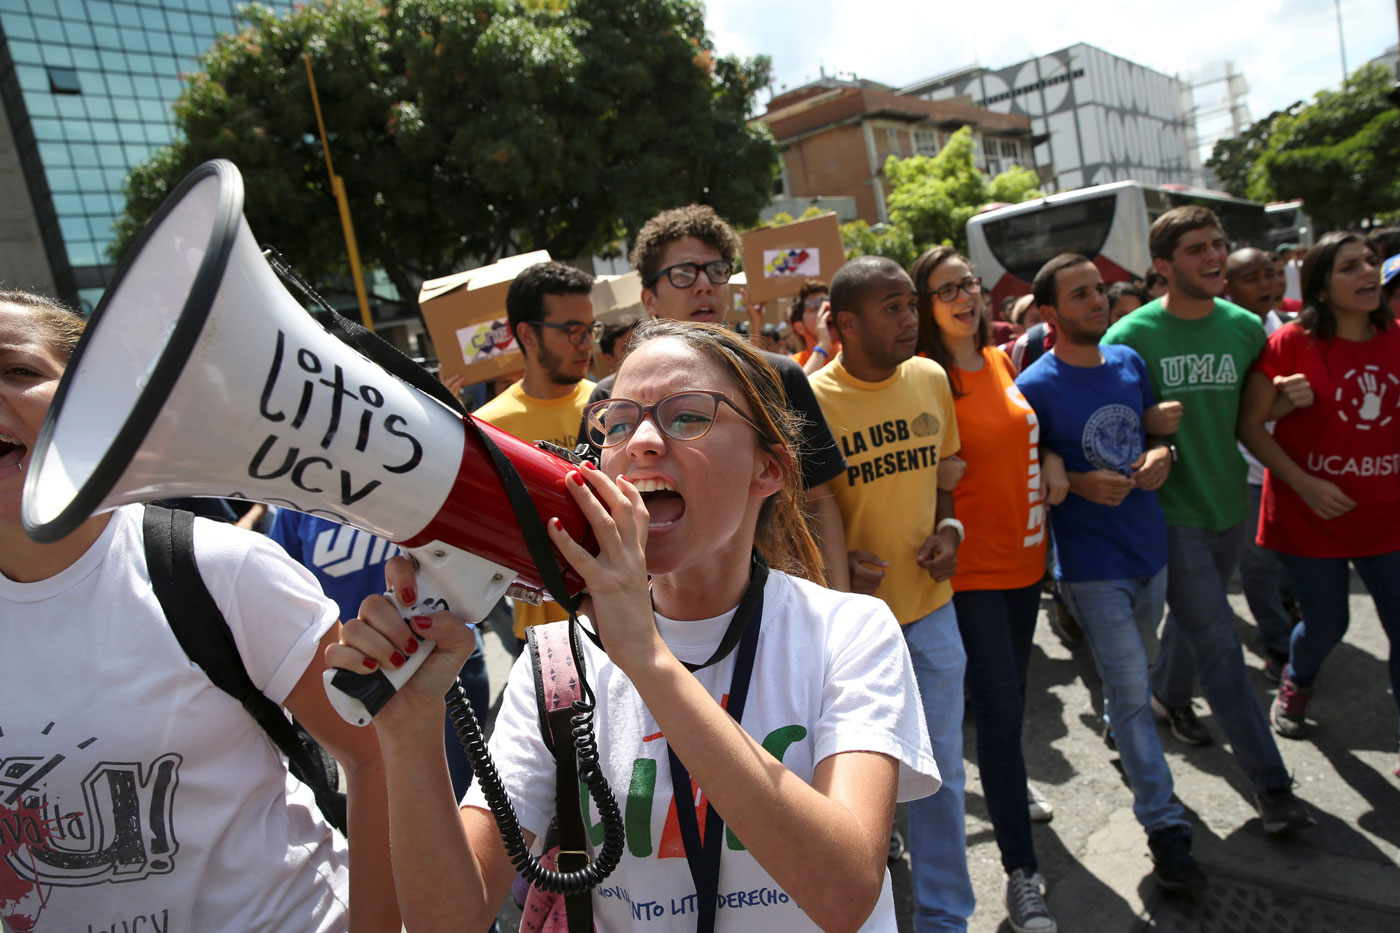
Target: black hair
1043,288
856,278
1317,316
525,299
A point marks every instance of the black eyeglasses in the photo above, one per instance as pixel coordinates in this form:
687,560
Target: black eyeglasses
684,274
684,416
945,293
576,331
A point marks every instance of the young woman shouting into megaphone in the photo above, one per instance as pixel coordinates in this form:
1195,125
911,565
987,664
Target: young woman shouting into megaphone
133,790
695,501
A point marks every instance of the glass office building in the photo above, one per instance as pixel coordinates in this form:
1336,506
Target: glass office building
87,88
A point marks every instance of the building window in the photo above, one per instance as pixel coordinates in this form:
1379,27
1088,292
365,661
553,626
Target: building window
1010,150
64,81
925,142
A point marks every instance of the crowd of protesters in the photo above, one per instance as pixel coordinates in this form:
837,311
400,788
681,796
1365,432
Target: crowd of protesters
815,544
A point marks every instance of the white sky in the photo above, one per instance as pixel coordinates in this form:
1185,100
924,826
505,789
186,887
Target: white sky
1286,49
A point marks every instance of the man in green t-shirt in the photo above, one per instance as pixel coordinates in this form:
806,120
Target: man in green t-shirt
1198,349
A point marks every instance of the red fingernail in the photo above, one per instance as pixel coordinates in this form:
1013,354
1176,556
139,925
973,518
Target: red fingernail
423,622
556,524
411,645
397,659
371,664
588,465
624,479
577,477
410,596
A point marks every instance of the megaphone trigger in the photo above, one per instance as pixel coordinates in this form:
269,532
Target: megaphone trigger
448,579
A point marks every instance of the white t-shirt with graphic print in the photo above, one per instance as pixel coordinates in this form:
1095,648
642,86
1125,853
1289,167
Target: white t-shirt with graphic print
831,674
136,795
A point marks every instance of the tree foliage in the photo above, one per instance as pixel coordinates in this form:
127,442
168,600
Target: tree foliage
468,129
933,197
1340,153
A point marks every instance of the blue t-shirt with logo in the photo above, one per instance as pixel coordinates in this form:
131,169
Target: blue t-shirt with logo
348,562
1092,417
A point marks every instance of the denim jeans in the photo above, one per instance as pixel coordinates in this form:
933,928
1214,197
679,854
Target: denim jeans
1119,618
943,898
1199,638
997,627
1261,575
1321,586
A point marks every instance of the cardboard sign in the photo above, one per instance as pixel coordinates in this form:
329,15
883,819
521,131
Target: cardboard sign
617,299
777,260
466,317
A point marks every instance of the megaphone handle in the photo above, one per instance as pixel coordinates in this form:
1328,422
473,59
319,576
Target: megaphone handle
448,578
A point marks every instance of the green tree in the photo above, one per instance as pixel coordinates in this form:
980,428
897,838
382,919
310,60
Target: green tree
1232,160
933,197
468,129
889,240
1340,153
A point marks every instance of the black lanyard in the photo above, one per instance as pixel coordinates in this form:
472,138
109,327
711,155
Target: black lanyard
704,856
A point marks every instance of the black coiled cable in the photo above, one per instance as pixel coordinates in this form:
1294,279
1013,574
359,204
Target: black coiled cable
469,733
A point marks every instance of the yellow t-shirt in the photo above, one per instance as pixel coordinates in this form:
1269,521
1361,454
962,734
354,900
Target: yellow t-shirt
893,434
537,419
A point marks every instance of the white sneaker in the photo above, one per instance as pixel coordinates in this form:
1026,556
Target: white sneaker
1025,903
1042,810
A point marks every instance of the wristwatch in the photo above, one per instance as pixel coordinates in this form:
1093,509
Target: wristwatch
954,524
1171,449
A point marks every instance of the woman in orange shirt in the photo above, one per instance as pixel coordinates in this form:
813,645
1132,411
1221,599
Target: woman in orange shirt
1001,499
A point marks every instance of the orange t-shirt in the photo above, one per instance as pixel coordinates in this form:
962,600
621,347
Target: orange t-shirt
998,499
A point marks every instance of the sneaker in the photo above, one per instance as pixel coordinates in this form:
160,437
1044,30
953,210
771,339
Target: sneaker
1280,811
1041,809
1286,712
1175,868
1273,666
897,846
1025,903
1185,725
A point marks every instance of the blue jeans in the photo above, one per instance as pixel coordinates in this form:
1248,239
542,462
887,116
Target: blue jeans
1119,618
943,898
997,627
1199,637
1261,576
1321,586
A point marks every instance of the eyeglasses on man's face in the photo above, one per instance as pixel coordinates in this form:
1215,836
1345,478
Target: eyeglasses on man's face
578,332
684,274
684,416
946,293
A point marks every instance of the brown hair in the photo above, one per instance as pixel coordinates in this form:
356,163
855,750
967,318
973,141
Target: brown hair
782,536
693,220
1167,232
60,324
809,288
930,339
1317,316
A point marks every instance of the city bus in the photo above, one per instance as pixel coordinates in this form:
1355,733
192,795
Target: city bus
1107,223
1288,224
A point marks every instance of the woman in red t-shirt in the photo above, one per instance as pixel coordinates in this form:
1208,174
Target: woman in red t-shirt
1332,491
996,590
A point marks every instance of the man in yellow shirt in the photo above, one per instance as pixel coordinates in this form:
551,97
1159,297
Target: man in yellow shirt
892,413
550,311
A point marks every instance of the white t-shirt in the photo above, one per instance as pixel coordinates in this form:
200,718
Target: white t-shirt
831,674
133,792
1272,322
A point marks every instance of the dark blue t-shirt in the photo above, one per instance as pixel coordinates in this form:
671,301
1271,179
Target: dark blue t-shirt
348,562
1092,416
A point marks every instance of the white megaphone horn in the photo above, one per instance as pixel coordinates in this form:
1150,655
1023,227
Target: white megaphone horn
200,375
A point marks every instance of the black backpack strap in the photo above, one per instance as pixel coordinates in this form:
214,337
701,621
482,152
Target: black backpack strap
200,628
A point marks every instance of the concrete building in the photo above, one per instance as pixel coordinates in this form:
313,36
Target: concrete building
1104,118
86,88
835,135
1218,110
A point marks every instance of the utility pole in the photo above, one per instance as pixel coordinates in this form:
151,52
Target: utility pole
1342,40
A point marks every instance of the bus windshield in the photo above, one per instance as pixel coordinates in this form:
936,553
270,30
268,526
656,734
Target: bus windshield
1025,242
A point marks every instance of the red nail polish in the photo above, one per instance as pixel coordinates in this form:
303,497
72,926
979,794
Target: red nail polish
556,524
371,664
588,465
410,596
423,622
577,477
624,479
411,645
397,659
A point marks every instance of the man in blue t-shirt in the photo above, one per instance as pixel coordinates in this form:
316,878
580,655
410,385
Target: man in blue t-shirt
1110,536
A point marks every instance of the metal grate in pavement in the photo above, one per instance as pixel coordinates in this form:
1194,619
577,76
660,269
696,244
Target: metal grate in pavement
1232,905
